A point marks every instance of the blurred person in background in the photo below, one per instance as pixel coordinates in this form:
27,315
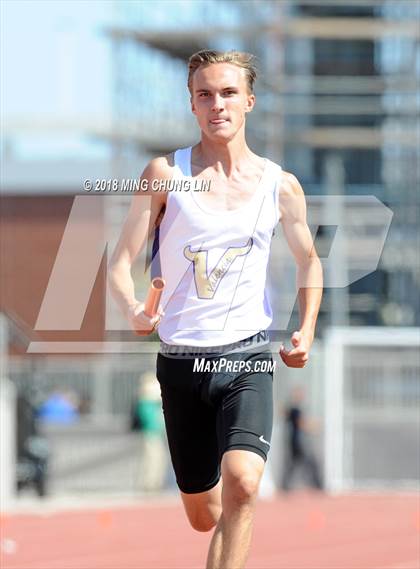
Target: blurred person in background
32,448
147,420
298,451
60,406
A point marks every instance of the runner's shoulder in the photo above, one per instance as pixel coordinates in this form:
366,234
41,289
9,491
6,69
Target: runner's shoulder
292,203
287,182
290,185
159,168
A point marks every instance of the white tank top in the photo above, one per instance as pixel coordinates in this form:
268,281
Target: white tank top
215,262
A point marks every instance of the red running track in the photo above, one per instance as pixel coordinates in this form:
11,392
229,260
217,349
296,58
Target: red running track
298,531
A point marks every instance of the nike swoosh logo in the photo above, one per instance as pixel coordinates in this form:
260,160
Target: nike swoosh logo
262,439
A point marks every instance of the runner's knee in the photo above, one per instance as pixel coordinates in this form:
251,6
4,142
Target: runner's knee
241,489
204,509
203,518
203,522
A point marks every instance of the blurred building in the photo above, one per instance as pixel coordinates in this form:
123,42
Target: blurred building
54,103
338,85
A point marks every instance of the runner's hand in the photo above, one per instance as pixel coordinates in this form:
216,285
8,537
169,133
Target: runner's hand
142,324
299,354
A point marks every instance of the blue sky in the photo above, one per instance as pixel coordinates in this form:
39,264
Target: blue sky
55,65
55,57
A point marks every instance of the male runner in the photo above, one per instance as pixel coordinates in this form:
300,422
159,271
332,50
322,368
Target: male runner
213,254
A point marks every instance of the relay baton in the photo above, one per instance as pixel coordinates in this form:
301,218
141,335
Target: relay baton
153,296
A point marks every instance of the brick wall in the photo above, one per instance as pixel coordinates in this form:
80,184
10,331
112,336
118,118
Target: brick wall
31,229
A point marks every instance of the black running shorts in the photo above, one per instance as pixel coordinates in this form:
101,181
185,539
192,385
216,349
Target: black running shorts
225,404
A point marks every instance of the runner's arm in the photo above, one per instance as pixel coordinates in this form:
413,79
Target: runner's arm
141,221
309,280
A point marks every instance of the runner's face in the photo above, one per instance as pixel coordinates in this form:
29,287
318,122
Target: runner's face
220,99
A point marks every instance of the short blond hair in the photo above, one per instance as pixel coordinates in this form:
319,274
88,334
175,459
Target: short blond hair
209,57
